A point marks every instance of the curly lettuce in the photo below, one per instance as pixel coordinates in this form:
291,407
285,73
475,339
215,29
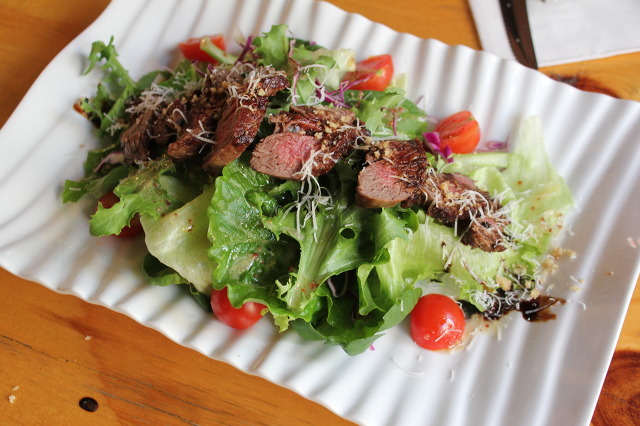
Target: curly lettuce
274,248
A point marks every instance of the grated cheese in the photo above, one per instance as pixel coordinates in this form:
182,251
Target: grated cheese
311,194
406,371
152,98
180,113
576,280
200,136
115,127
578,302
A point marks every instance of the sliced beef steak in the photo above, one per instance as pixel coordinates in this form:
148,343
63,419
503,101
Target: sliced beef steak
195,120
236,130
135,141
394,174
454,197
196,130
379,186
307,140
486,233
313,119
242,115
283,155
169,119
455,200
185,124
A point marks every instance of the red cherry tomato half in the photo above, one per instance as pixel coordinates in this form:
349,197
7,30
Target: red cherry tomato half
240,318
191,48
460,132
373,73
135,227
437,322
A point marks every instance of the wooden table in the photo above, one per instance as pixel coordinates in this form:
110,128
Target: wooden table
56,349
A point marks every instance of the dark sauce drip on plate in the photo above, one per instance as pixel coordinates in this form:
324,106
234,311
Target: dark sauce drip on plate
539,308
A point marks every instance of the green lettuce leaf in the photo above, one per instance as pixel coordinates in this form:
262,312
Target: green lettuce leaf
95,185
308,66
339,323
434,253
179,241
268,250
357,309
150,190
157,273
250,258
272,48
328,233
388,114
107,107
544,197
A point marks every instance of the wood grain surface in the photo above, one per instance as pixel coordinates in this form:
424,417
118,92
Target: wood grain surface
56,350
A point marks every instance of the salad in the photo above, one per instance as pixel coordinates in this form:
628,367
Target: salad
292,181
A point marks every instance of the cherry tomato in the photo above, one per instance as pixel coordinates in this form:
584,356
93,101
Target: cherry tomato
240,318
135,227
460,132
373,73
191,48
437,322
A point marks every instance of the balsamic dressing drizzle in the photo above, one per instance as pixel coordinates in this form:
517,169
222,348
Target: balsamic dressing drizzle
539,308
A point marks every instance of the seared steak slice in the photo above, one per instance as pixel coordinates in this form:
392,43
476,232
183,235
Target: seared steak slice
198,129
183,123
325,135
395,173
283,155
379,186
454,197
168,120
135,140
485,233
242,115
313,119
195,119
236,130
456,201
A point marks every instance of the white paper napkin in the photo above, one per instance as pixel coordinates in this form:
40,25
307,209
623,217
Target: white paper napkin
565,31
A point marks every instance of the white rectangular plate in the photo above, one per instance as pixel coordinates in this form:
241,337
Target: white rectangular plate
539,373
